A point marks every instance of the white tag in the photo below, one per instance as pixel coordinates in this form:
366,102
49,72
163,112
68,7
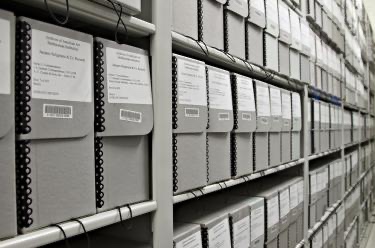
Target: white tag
258,5
316,111
128,77
284,203
293,195
284,17
318,48
130,116
305,32
272,13
317,240
219,90
275,97
286,105
5,56
191,76
296,99
57,111
263,101
241,233
257,223
61,68
219,235
300,189
313,183
325,233
272,212
193,241
245,94
296,29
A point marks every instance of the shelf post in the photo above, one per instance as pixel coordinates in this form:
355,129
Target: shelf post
306,189
161,54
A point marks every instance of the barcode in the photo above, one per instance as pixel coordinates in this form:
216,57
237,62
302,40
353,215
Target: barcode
132,116
57,111
191,112
223,116
246,117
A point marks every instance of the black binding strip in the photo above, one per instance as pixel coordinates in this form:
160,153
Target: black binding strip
67,13
121,219
119,21
130,210
63,232
84,230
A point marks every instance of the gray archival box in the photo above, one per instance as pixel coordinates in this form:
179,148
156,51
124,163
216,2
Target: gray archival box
60,147
189,136
122,135
8,221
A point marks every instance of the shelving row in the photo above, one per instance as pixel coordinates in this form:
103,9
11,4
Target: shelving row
265,53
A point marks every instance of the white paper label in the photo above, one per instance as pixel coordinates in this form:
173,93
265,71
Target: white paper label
312,43
286,105
296,29
219,235
272,13
305,32
300,192
241,233
316,111
284,18
128,77
258,5
245,94
263,101
318,48
273,211
293,195
313,183
193,241
257,223
317,240
191,76
296,105
61,68
5,64
284,203
275,96
325,233
219,90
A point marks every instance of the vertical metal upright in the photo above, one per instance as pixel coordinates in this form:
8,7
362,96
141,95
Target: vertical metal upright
306,187
161,53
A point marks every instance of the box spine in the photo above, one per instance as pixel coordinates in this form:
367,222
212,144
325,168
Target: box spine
231,230
200,20
247,52
22,99
204,234
208,126
264,49
233,137
226,33
255,133
174,124
99,122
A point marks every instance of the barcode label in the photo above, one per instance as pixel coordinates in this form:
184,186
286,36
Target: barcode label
264,120
246,117
223,116
192,112
131,116
57,111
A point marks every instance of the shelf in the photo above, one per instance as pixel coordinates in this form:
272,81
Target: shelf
333,208
199,50
92,13
321,95
351,144
232,182
49,235
350,106
322,154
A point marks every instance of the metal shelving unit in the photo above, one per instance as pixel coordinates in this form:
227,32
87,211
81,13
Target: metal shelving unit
162,42
49,235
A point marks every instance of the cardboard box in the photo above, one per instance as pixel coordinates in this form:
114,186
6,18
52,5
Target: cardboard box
254,32
286,137
276,126
180,23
